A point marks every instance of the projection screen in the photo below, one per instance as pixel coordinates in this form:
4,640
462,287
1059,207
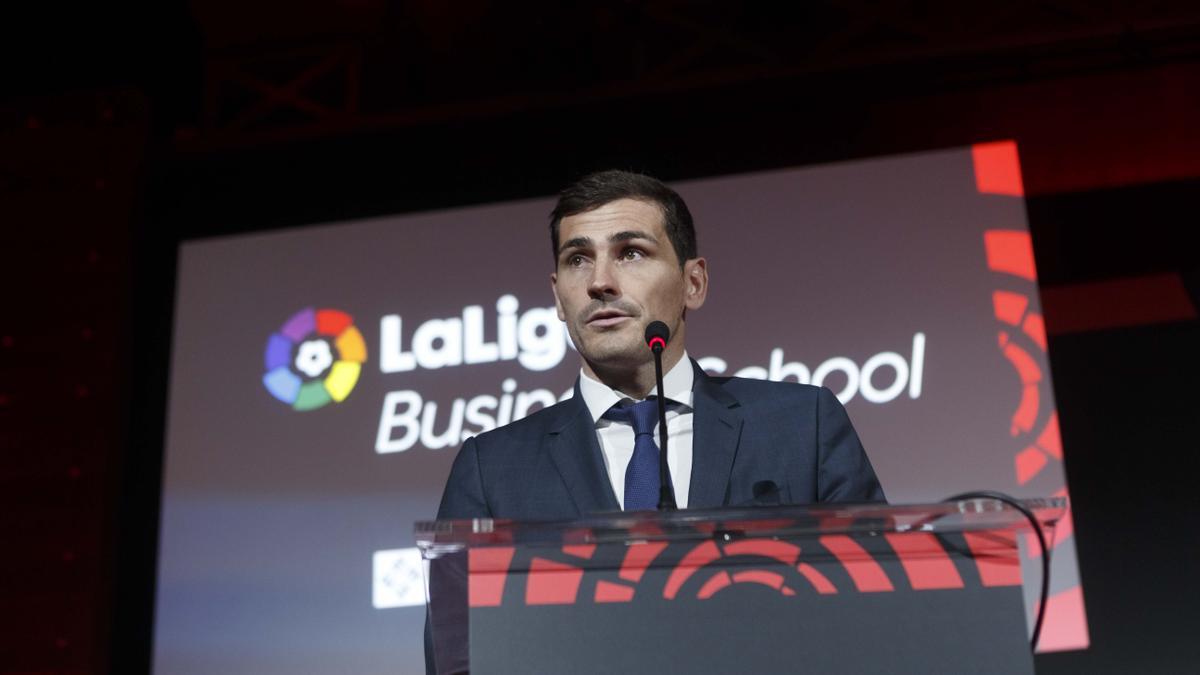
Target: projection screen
323,377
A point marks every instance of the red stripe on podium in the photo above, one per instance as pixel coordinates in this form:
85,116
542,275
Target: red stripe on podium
819,581
996,557
924,561
638,557
488,570
867,575
580,550
696,558
718,581
552,583
606,591
779,550
763,577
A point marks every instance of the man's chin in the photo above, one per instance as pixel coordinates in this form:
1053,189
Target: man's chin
613,353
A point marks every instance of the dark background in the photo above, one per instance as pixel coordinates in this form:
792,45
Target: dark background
123,131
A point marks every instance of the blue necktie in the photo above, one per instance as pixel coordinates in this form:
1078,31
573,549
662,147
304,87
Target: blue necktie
641,476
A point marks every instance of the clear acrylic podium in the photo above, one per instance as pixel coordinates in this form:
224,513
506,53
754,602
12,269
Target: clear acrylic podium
928,588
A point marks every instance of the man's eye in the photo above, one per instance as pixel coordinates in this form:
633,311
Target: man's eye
574,260
631,254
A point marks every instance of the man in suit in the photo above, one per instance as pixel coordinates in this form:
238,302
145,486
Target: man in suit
625,255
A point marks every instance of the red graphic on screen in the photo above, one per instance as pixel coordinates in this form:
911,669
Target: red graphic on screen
1036,425
1069,630
332,322
1021,339
997,169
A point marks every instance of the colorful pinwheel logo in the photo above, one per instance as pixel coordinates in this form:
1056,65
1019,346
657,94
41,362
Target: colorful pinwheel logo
315,358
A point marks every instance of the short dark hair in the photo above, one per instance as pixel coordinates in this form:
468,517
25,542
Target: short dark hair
597,189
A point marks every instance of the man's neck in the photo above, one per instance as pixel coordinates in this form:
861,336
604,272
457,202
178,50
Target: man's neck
637,382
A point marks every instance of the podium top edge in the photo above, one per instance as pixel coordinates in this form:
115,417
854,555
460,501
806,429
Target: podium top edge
966,515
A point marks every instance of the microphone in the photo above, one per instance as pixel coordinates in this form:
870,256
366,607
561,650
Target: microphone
657,335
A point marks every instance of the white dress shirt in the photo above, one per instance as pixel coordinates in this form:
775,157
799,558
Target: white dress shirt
616,438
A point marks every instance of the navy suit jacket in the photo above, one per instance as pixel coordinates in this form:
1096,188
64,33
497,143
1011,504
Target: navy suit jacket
754,442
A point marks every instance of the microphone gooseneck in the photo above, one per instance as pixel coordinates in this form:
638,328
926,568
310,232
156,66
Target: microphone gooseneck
657,335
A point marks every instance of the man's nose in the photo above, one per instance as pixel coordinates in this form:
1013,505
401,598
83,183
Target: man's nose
603,284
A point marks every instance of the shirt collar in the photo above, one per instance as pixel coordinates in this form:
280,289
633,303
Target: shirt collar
599,397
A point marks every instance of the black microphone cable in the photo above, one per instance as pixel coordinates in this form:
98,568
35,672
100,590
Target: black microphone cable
1041,539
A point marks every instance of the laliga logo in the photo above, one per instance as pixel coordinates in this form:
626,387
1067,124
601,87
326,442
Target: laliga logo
315,358
536,339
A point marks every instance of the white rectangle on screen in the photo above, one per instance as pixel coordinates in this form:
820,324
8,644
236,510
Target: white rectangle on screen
399,578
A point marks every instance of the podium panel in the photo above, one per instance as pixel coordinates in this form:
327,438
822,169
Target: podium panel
861,589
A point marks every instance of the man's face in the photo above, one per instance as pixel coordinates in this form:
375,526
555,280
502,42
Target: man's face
616,272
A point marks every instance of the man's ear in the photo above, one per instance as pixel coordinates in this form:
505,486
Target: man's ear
695,283
557,303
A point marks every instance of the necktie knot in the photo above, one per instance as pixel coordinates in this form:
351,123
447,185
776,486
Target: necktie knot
642,415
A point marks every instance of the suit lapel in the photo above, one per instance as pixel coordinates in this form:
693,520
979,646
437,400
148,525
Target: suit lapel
575,451
717,429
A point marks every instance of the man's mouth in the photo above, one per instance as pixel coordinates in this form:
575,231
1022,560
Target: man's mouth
607,317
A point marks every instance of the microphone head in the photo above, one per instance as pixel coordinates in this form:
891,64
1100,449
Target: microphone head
657,335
